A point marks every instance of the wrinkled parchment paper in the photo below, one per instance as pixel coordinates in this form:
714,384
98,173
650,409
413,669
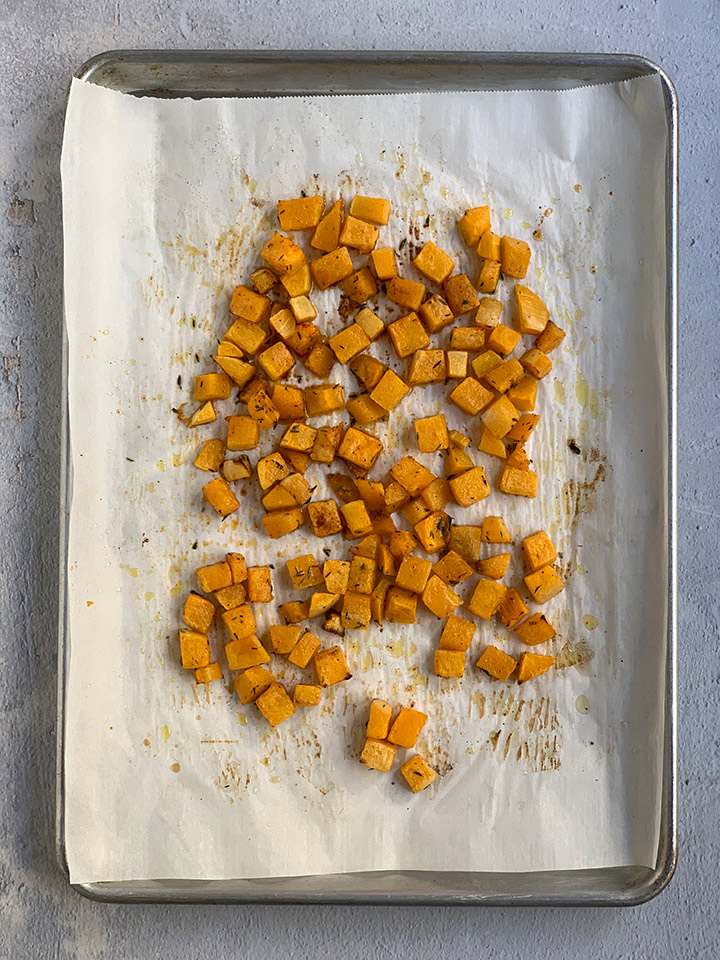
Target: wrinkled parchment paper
166,206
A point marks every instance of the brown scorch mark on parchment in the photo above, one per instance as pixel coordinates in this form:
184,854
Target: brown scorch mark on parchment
530,732
579,496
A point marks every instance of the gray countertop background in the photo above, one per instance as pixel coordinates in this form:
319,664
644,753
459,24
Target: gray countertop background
41,44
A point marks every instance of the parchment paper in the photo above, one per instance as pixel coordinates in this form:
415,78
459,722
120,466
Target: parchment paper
166,206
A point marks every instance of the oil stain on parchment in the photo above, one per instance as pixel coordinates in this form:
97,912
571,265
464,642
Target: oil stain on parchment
528,732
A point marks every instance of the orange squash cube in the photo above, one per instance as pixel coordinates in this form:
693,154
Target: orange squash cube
370,322
235,367
469,339
281,522
466,539
523,395
263,280
460,294
300,213
389,391
494,567
417,773
474,224
332,268
531,313
433,263
360,285
378,755
284,638
245,652
243,433
427,366
356,518
367,369
363,575
433,531
303,309
275,704
359,448
439,598
321,603
384,263
432,433
249,305
413,573
194,649
331,666
304,572
198,613
372,209
489,246
337,574
514,257
304,650
400,605
407,335
512,609
271,469
324,398
491,444
452,569
276,361
232,596
497,663
300,437
470,396
494,530
488,312
358,235
437,495
488,277
457,364
457,634
519,483
524,427
544,584
407,727
212,386
485,363
214,577
533,665
505,375
378,725
402,543
486,598
324,518
320,360
499,417
551,337
449,663
435,313
502,339
239,622
282,255
538,551
327,233
356,612
295,611
536,629
250,684
259,584
299,282
220,497
248,336
213,671
470,487
406,293
306,695
411,475
415,511
537,363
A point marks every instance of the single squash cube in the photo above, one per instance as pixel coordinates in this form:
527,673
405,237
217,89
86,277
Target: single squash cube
488,277
426,366
263,280
373,493
470,396
435,313
295,611
452,569
358,235
437,495
499,417
331,666
284,638
406,293
531,314
502,339
413,574
470,487
220,497
235,367
402,543
301,213
378,725
466,539
356,612
415,511
337,574
360,285
514,257
259,584
248,336
433,263
327,233
411,475
457,461
271,469
519,483
326,443
276,361
457,364
363,575
471,339
533,665
263,410
536,629
303,309
488,312
389,391
517,456
245,652
212,386
489,246
460,294
372,209
523,395
306,695
321,603
494,567
368,370
320,360
551,337
194,649
324,518
494,530
304,650
324,398
282,255
213,671
512,609
483,364
385,561
332,268
417,773
457,634
432,433
492,445
249,305
537,363
275,704
407,727
198,613
544,584
400,605
356,518
281,522
378,755
214,576
538,551
449,663
250,684
474,224
300,437
384,263
523,429
396,496
243,433
505,375
486,598
299,282
439,598
333,624
497,663
232,596
370,322
289,401
408,335
359,448
304,572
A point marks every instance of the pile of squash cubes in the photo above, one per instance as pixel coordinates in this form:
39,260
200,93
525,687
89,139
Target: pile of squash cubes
275,325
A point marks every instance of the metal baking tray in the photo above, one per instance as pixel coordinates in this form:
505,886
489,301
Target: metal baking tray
156,73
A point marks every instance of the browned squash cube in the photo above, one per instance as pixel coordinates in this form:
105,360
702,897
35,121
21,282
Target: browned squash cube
300,213
458,439
470,396
433,263
396,496
327,233
263,280
506,375
275,704
457,634
474,224
544,584
306,695
489,246
304,572
368,370
331,666
406,293
282,255
378,755
337,574
415,511
432,433
407,335
427,366
213,671
402,542
486,598
304,650
435,313
413,573
488,276
514,257
377,599
538,551
326,444
357,519
517,456
250,684
220,497
500,417
460,294
243,433
384,263
360,285
373,493
299,437
194,649
439,598
284,638
417,773
488,312
449,663
320,360
519,483
372,209
536,629
452,569
494,567
400,605
533,665
378,725
249,305
198,613
470,487
407,727
245,652
358,235
551,337
502,339
324,518
332,268
497,663
537,363
289,401
523,429
271,469
494,530
411,475
356,612
259,584
512,609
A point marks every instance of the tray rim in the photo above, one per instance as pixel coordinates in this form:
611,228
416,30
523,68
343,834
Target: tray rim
657,878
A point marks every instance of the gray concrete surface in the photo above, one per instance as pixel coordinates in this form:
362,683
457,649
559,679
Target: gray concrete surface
41,43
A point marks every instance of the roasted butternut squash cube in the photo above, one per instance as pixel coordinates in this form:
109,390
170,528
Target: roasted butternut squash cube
250,684
304,650
466,539
304,572
417,773
474,224
320,360
486,598
343,487
349,342
297,459
452,569
373,493
303,309
544,584
536,363
243,433
295,611
499,417
235,367
356,612
211,456
470,487
321,603
378,725
377,599
276,361
360,285
384,263
289,401
497,663
489,246
378,755
519,483
551,337
245,652
415,511
494,530
358,234
395,497
213,671
523,395
400,605
492,445
407,335
281,522
386,561
457,364
212,386
435,313
369,370
275,704
198,613
440,598
512,609
523,429
256,385
214,576
306,695
327,233
470,339
238,569
356,518
426,366
433,263
246,335
282,255
263,280
538,551
284,638
413,573
514,257
331,666
300,437
517,456
326,444
333,624
437,495
389,391
263,410
485,363
460,294
299,282
371,209
457,634
488,276
533,665
259,584
432,433
194,649
407,727
332,268
502,339
402,543
488,312
470,396
505,375
531,313
370,322
406,293
220,497
232,596
324,519
249,305
449,663
271,469
303,338
458,439
300,213
456,461
363,575
324,398
494,567
411,475
536,629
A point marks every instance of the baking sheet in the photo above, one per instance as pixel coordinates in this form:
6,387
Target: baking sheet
566,775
